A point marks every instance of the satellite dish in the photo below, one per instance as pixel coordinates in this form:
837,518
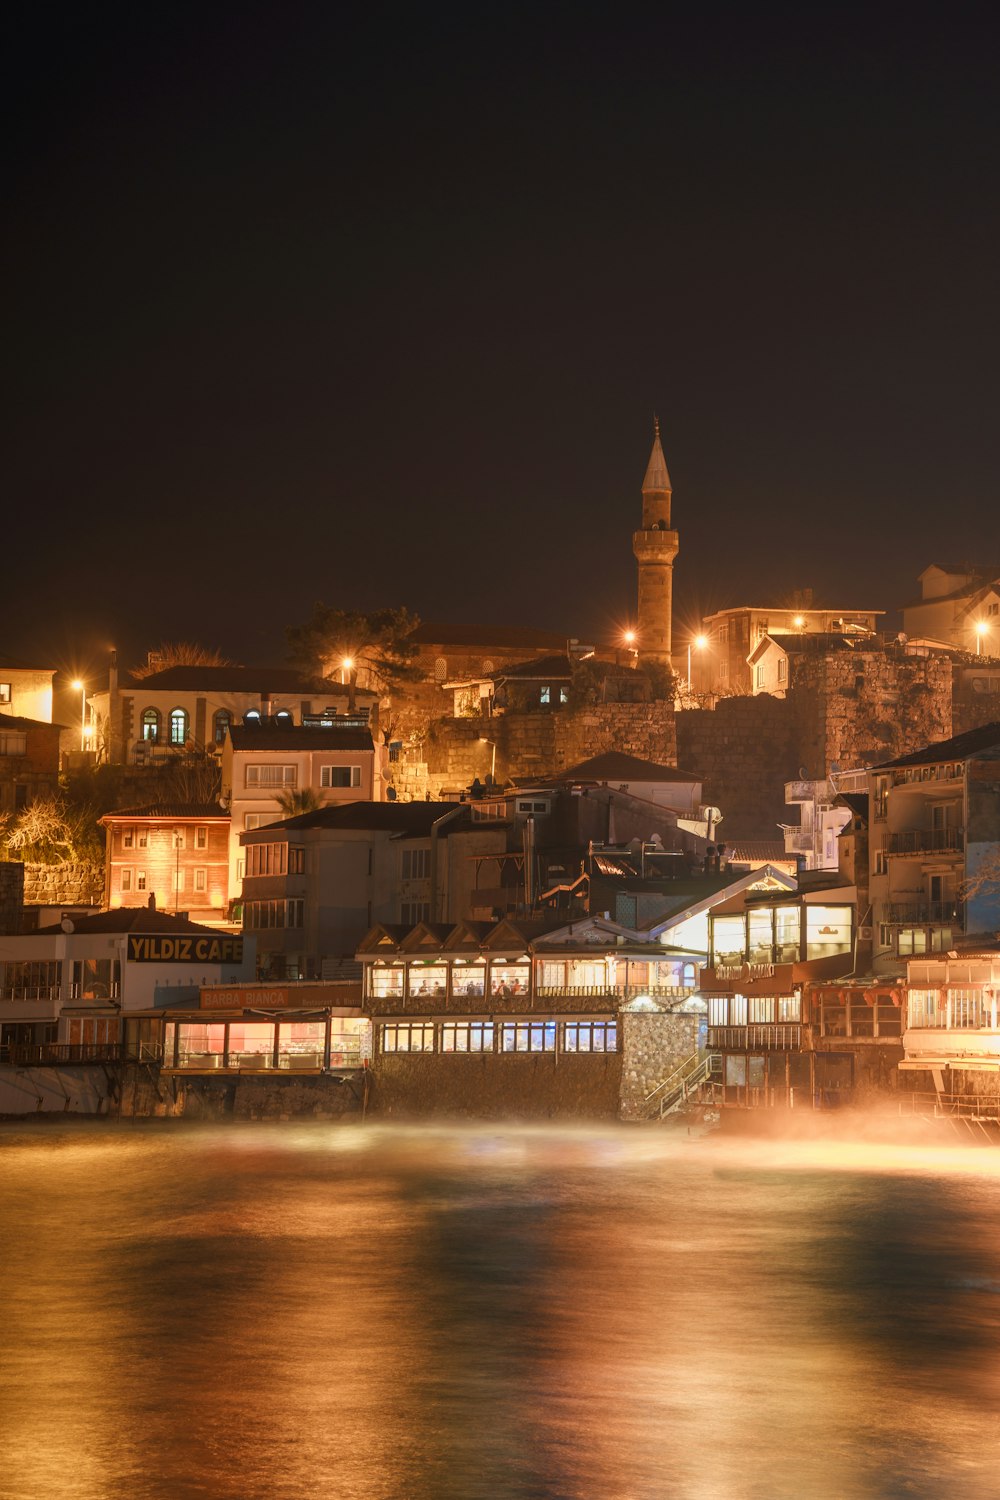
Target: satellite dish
67,924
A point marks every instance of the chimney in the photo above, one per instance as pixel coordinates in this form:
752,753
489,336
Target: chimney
265,705
151,903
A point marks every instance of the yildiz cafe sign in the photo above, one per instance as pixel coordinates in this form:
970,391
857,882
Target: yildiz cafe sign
185,948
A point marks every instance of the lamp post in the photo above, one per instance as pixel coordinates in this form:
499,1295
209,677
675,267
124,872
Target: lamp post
81,688
493,761
345,667
981,629
699,642
630,646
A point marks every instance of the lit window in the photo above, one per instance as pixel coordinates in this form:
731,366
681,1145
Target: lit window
528,1036
128,838
418,1037
178,726
545,695
220,724
263,775
140,880
201,880
590,1036
151,725
126,880
467,1036
201,838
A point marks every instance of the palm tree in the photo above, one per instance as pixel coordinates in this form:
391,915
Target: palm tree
304,800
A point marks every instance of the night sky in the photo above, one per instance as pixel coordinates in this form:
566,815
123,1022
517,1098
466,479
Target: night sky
376,307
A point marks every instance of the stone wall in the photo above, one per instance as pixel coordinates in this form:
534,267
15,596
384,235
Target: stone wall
455,751
11,896
67,884
146,1094
654,1045
497,1086
745,749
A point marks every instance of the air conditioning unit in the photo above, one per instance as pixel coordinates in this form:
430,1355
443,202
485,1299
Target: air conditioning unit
865,934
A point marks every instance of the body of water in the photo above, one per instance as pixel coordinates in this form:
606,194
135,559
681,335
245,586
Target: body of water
394,1313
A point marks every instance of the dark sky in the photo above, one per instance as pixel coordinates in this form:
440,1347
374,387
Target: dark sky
375,306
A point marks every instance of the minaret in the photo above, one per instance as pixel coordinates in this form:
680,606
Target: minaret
655,548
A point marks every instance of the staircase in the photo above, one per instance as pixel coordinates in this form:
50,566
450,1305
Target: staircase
679,1086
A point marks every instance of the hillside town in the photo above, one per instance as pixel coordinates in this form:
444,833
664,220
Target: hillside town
442,868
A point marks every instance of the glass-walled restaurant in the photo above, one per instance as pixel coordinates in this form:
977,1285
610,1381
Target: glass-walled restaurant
619,977
781,934
251,1042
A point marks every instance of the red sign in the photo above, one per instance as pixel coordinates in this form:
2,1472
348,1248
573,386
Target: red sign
257,998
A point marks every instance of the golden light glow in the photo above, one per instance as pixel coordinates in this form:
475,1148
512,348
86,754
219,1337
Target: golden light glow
700,642
347,663
982,628
629,637
76,683
799,621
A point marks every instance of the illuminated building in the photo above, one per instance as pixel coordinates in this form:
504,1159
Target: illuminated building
958,606
26,692
655,546
29,761
732,636
935,815
178,853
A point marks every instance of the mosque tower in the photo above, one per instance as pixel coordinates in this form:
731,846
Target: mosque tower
655,548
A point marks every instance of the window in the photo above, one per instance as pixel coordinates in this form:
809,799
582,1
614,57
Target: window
881,862
468,979
142,838
395,750
467,1036
340,776
790,1008
545,695
590,1036
761,1010
297,861
385,981
428,979
416,864
728,940
151,725
828,930
509,978
4,692
295,914
564,695
128,838
14,742
412,912
441,668
177,880
408,1037
926,1008
201,880
201,838
126,880
259,820
264,915
220,725
178,726
264,775
140,880
266,859
761,926
760,674
532,807
787,929
528,1036
782,668
96,978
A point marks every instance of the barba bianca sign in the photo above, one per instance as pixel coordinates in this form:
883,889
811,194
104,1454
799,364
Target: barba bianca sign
185,948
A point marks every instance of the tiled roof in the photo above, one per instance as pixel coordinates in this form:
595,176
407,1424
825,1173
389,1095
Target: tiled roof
14,721
542,667
743,851
614,765
299,737
10,664
817,641
140,919
230,679
959,747
193,812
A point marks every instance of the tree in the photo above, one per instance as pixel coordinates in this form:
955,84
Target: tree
376,649
983,883
180,654
299,800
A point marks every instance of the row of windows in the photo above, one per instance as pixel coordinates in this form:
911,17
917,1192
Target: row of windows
909,940
138,838
500,1036
416,864
135,880
288,776
267,914
753,1010
14,742
274,859
433,979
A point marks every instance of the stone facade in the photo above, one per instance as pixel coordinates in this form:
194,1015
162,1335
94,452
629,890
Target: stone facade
67,884
11,896
653,1047
494,1086
145,1094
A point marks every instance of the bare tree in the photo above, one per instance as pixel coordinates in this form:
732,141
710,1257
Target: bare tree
180,654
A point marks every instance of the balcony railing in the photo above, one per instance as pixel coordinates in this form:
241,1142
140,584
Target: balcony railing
925,841
614,992
56,1054
777,1038
30,992
903,913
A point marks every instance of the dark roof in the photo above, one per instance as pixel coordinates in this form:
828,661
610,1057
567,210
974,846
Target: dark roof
742,850
193,811
959,747
856,801
410,818
546,667
140,919
13,721
817,641
230,679
614,765
511,637
299,737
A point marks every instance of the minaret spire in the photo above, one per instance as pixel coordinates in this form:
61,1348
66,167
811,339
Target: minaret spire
655,546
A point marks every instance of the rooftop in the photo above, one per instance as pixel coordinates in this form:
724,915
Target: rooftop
175,812
261,680
123,919
614,765
410,818
959,747
299,737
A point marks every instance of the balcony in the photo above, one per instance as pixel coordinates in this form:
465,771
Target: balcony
15,992
619,993
925,841
921,913
777,1038
60,1054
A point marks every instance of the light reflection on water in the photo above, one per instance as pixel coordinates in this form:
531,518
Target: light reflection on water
421,1314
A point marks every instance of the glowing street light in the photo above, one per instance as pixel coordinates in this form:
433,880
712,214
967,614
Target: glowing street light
699,643
629,638
81,688
799,621
982,629
493,762
345,667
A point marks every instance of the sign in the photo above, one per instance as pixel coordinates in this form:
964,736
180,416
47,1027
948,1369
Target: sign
185,948
727,973
246,999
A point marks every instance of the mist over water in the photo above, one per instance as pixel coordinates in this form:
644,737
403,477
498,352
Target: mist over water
419,1314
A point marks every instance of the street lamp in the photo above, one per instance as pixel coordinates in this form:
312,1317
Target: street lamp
81,688
493,762
699,643
981,629
629,638
345,667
